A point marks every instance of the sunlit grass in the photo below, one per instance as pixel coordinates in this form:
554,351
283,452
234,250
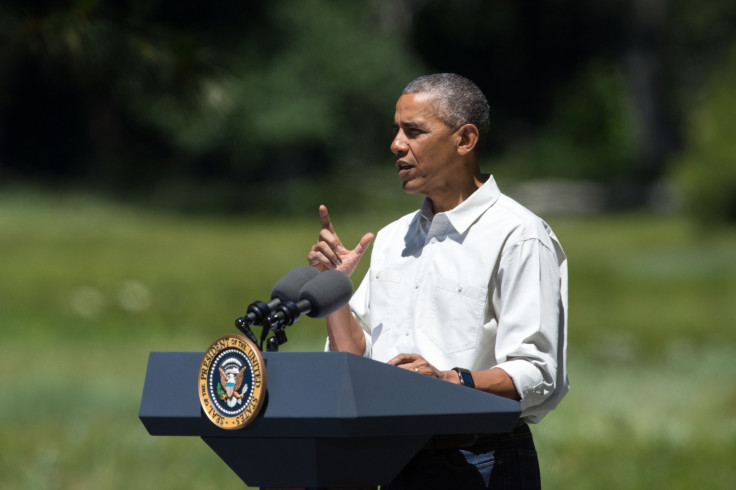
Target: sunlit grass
88,289
661,424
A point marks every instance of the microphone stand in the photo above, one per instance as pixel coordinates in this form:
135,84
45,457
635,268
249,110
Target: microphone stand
244,327
269,324
286,314
278,338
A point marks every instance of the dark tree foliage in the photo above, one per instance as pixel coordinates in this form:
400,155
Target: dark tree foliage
233,97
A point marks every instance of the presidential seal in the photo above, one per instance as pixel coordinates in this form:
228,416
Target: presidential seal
232,382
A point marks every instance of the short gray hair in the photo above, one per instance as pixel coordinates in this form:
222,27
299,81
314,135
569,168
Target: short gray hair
456,100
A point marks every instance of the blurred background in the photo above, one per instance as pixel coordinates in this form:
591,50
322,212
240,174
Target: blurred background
161,165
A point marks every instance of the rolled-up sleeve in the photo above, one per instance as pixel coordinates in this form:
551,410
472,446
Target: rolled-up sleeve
530,303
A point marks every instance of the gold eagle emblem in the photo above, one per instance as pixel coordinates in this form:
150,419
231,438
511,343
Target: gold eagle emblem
232,383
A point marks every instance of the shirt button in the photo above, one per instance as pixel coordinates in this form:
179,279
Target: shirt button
433,240
459,289
416,286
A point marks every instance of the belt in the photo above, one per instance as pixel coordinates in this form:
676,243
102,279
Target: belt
462,441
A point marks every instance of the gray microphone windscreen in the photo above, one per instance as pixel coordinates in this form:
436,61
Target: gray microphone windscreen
287,288
327,293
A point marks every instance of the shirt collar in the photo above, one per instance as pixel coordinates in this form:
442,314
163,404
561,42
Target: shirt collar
467,212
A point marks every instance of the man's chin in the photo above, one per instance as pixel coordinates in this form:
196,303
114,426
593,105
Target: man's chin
408,187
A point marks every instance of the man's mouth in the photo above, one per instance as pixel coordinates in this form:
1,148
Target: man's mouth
402,167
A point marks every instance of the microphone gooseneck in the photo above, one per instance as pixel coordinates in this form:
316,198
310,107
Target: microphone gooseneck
286,289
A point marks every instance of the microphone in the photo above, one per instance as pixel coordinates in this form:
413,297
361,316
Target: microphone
286,289
324,294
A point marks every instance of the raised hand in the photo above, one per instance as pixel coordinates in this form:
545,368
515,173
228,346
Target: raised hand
329,252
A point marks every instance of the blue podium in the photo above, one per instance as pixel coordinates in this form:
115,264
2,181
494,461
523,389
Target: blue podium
330,418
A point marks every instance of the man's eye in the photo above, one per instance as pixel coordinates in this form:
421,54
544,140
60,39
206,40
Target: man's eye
409,132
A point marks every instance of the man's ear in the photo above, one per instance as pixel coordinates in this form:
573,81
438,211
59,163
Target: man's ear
469,136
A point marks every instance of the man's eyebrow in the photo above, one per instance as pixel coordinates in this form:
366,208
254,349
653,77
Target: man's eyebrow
409,125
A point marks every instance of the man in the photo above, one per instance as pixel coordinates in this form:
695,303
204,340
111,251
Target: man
471,289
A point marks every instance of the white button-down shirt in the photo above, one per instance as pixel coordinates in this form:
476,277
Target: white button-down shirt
483,285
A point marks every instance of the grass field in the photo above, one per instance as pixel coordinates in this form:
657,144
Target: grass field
88,289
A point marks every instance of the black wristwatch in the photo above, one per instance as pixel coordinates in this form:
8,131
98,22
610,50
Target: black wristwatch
466,379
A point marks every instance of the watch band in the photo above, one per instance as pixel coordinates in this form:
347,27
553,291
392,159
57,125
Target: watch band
466,378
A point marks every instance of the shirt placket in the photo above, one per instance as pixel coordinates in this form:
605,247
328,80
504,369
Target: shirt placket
423,270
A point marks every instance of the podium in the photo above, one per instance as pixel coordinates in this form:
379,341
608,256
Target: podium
330,418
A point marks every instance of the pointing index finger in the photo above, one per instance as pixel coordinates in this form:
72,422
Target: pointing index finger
324,218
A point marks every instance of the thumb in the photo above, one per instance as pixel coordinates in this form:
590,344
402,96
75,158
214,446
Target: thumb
362,246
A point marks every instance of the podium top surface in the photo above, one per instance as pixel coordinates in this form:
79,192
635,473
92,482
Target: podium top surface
327,395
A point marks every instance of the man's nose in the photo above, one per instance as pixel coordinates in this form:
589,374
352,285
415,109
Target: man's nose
398,145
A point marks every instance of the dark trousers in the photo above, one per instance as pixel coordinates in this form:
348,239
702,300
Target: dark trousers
503,461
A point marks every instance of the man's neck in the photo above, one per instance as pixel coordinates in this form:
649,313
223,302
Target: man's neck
452,199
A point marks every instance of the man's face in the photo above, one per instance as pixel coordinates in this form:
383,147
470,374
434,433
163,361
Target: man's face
424,146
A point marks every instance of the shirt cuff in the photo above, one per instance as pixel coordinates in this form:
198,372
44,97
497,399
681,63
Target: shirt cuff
528,380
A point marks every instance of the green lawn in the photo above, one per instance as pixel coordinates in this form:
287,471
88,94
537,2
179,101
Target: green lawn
88,289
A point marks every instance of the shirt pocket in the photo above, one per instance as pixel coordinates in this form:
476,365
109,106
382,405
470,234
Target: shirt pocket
456,315
385,301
